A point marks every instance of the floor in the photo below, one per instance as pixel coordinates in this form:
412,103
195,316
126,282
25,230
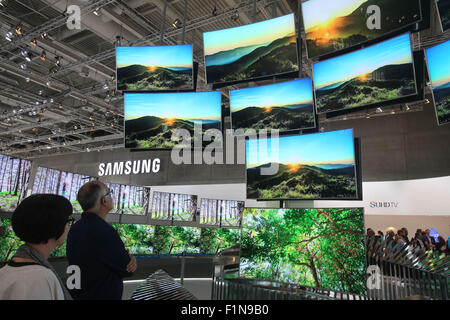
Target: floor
199,287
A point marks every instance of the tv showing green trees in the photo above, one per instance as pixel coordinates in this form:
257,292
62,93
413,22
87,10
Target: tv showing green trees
312,247
221,212
379,73
444,13
133,200
313,166
14,179
155,68
173,206
439,70
332,25
283,106
252,51
152,119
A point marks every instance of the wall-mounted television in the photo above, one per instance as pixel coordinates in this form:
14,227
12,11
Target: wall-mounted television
444,13
132,200
62,183
253,51
14,179
159,68
225,213
313,166
284,106
332,25
379,73
439,72
173,206
151,119
313,247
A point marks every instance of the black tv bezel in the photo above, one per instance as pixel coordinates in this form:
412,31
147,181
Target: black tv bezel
283,75
390,34
410,97
357,171
134,149
441,24
432,90
282,131
194,72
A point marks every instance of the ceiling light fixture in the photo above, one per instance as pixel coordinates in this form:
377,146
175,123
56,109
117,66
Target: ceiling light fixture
33,42
43,55
9,36
19,30
29,57
177,23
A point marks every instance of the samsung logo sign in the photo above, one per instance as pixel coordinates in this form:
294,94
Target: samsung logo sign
129,167
376,204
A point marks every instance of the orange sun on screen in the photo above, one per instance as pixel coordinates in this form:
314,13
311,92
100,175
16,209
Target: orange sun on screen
151,68
169,121
268,109
363,77
294,167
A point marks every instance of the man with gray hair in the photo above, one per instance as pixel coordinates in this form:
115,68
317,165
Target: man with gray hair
95,247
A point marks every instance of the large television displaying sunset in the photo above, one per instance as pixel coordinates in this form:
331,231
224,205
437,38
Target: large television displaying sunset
378,73
283,106
261,49
313,166
155,68
332,25
444,13
439,69
152,118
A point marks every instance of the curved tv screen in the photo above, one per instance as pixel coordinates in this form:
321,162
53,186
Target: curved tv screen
252,51
14,179
225,213
284,106
155,68
313,166
151,119
379,73
439,70
332,25
444,13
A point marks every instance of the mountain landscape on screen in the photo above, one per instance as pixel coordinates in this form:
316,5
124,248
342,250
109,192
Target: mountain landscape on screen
335,25
283,106
154,68
316,166
439,70
375,74
444,12
251,51
151,120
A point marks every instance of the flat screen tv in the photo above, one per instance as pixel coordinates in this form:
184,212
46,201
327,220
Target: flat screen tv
253,51
62,183
444,13
284,106
226,213
132,200
151,119
332,25
155,68
379,73
313,166
439,72
312,247
173,206
14,179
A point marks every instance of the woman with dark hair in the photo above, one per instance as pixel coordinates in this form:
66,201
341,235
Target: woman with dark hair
42,221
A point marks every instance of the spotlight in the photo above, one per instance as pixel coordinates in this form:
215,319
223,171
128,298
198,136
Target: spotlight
97,12
24,52
19,30
9,36
427,101
29,57
177,23
379,110
27,79
408,108
23,66
118,41
44,35
33,42
105,86
214,12
48,83
54,70
57,60
43,55
235,17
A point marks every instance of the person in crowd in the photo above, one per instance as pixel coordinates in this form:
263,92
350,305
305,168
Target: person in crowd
440,246
405,235
431,239
42,221
380,235
95,246
417,241
370,233
426,241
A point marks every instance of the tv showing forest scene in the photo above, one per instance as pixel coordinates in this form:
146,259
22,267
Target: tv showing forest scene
62,183
444,13
151,119
133,200
439,70
155,68
313,166
283,106
227,213
14,179
173,206
378,73
332,25
251,51
313,247
150,239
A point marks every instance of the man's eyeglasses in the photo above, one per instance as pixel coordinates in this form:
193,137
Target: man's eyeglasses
70,221
110,192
